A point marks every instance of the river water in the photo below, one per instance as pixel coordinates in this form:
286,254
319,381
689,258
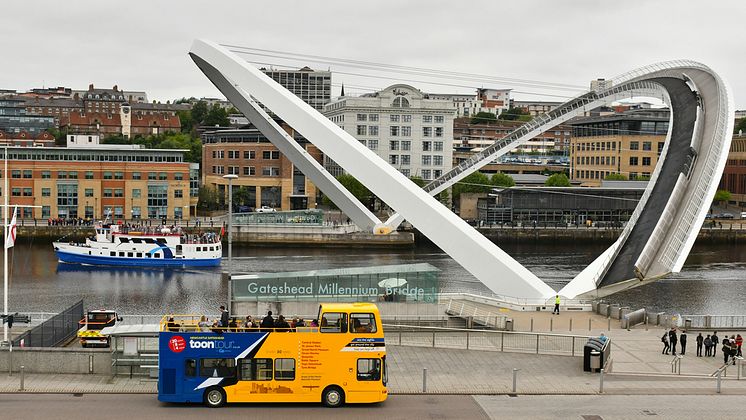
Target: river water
713,280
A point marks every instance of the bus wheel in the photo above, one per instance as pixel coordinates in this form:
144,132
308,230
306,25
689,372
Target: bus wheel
214,397
333,396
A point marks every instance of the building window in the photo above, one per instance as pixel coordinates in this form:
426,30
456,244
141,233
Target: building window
108,192
645,161
373,130
373,117
270,155
362,117
118,175
27,173
437,173
394,159
15,173
15,192
406,131
406,118
400,103
426,174
634,145
249,154
427,131
438,146
46,174
394,131
152,176
362,130
394,145
233,170
438,131
89,175
108,175
89,192
394,118
427,146
118,192
427,119
406,145
46,212
46,192
178,176
438,119
427,160
162,176
405,172
437,160
633,161
373,144
178,193
136,193
136,175
647,146
660,147
270,171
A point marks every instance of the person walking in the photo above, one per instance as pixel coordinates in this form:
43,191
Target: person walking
700,340
556,305
664,340
682,340
739,343
223,317
726,349
708,346
672,339
715,342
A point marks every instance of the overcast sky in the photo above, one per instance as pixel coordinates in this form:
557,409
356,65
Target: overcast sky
143,45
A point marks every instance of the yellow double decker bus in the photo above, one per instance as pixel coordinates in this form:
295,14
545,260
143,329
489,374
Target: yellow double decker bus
340,360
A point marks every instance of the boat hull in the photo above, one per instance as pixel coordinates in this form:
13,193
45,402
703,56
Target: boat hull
70,257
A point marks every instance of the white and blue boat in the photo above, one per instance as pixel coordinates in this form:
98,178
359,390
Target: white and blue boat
144,247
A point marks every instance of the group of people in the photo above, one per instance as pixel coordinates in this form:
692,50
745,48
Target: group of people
69,221
731,346
233,324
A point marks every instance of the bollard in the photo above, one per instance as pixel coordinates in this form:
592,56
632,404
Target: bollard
515,379
718,383
646,322
609,326
424,380
601,382
570,324
22,377
90,363
551,324
10,358
532,324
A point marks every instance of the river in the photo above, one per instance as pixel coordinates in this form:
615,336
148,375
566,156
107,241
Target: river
712,281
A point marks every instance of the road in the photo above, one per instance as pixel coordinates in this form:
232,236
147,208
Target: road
605,407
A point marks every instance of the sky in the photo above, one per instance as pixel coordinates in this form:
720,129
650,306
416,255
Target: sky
143,45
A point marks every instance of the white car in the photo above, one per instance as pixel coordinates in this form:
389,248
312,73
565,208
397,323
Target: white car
265,209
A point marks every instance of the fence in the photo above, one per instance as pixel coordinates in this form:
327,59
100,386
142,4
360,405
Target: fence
55,330
715,321
490,340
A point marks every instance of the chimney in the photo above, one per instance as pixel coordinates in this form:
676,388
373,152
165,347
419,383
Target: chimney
90,87
115,88
76,97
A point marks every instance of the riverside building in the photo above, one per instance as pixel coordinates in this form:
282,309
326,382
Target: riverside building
627,143
734,174
121,181
401,124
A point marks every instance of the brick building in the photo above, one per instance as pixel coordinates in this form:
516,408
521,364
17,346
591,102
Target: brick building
734,174
468,136
270,178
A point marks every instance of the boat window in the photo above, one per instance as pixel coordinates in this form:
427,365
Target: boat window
199,248
129,254
112,254
139,255
121,254
157,255
123,240
136,240
147,255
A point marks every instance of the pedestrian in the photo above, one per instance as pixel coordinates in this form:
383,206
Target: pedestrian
556,305
739,343
223,317
726,349
268,323
664,340
682,340
708,346
700,340
715,342
673,340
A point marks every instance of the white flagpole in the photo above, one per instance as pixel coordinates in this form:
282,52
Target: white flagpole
5,247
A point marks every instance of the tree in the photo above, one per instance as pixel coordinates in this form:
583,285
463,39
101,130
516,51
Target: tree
513,114
208,198
722,196
59,136
354,186
242,197
199,112
417,180
502,180
483,118
476,182
217,115
615,177
740,126
557,180
115,139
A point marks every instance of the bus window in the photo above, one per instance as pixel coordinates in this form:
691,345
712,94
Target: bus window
190,369
363,323
334,322
219,368
284,369
256,369
368,369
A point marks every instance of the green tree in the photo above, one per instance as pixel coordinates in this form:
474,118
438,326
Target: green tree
59,136
187,122
115,139
740,126
208,198
418,180
557,180
642,178
199,113
242,197
476,182
483,118
217,115
513,114
502,180
615,177
722,196
354,186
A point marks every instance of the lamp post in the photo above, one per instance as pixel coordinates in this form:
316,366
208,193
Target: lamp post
230,178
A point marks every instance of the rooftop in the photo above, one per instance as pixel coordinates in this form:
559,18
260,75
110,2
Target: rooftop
349,271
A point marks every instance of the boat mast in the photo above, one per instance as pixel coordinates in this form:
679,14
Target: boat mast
5,246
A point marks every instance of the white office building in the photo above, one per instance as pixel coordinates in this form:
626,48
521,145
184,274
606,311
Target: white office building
402,125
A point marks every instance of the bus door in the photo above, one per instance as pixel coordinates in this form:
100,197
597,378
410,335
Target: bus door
367,363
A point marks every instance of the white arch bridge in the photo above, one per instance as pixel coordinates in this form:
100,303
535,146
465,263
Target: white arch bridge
655,242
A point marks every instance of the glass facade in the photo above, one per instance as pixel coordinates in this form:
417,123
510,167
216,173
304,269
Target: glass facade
67,200
157,201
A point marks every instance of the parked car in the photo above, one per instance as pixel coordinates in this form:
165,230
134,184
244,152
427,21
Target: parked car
265,209
743,215
724,216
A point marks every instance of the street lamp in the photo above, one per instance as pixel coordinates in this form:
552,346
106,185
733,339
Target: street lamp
230,178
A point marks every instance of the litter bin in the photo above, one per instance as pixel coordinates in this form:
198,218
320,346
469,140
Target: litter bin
595,361
687,324
509,324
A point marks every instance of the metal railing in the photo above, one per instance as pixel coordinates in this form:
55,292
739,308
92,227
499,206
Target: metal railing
54,330
488,340
716,321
